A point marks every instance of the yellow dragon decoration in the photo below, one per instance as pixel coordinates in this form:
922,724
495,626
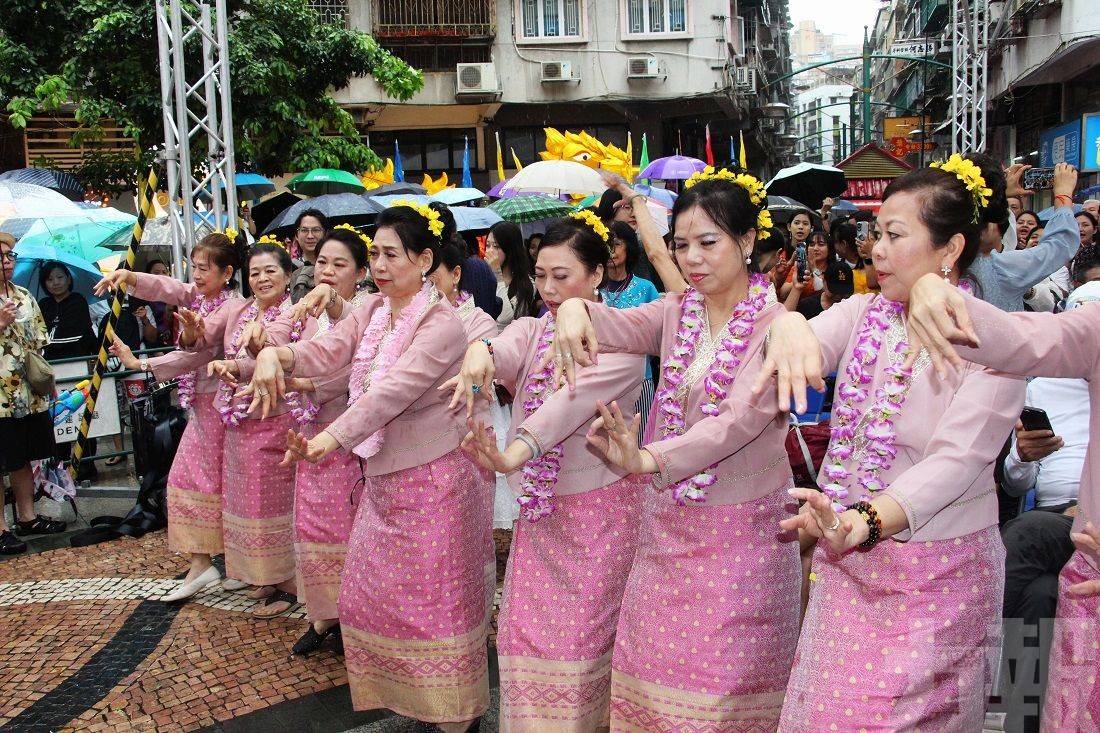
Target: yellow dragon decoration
587,150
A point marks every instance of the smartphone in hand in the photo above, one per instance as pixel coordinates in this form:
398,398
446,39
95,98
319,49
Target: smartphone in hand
800,257
1034,418
1039,179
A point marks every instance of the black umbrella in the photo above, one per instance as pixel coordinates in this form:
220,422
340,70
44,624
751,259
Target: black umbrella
60,181
783,209
338,208
809,183
396,188
265,212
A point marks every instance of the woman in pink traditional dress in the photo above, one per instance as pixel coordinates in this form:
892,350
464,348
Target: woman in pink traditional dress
1066,345
709,618
258,494
904,610
195,480
575,540
326,493
412,600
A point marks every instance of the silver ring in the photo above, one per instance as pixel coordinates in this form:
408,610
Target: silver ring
836,524
568,356
558,355
263,393
475,388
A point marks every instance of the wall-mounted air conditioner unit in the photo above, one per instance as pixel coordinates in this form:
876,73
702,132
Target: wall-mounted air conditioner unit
642,67
744,78
476,79
554,71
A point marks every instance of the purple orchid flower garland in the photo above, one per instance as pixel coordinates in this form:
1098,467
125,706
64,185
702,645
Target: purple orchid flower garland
540,475
232,414
878,434
727,358
204,306
301,406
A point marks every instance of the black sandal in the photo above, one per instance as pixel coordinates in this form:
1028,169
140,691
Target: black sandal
40,525
279,596
312,640
12,545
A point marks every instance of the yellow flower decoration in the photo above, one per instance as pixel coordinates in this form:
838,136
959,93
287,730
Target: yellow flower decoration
366,240
758,195
586,216
269,239
230,233
971,175
435,224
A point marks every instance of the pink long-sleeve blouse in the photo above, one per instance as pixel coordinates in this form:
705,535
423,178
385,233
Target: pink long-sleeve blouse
1065,345
162,289
565,415
745,439
949,433
419,427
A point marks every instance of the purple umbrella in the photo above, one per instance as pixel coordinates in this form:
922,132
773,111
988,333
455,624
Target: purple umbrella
679,167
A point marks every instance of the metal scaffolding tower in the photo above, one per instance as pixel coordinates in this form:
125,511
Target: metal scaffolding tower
970,59
196,104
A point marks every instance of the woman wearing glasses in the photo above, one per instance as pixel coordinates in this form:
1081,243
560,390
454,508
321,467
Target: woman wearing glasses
26,431
309,230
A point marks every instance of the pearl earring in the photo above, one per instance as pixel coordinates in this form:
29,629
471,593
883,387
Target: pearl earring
424,276
748,259
946,271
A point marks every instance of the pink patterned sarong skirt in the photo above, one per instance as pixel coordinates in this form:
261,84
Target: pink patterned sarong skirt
326,497
901,637
259,502
412,597
565,581
1073,695
709,621
195,482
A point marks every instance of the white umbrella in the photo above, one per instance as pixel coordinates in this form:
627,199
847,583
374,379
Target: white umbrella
556,177
28,201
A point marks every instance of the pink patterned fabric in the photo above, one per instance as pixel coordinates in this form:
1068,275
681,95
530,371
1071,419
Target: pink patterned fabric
1073,696
412,597
326,497
259,502
902,637
565,581
709,619
195,483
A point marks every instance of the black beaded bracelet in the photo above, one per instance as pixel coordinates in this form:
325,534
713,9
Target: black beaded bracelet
874,524
488,345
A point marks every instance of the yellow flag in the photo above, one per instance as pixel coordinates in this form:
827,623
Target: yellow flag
742,160
630,157
515,159
500,158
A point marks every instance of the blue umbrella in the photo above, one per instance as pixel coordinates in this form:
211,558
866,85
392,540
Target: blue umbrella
64,183
32,258
1048,212
467,218
250,186
661,195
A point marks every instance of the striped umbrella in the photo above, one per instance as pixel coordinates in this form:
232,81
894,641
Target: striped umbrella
60,181
536,207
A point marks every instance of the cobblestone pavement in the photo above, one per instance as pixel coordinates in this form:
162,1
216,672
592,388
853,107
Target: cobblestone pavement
84,649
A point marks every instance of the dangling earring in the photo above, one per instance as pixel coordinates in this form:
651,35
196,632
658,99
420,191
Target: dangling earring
946,271
423,276
748,259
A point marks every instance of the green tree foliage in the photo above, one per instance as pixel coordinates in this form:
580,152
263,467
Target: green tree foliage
101,56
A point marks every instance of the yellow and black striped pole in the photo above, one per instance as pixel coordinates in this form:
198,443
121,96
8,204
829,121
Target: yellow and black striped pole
145,212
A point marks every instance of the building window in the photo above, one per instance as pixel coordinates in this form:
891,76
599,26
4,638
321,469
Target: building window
656,16
331,11
551,18
427,151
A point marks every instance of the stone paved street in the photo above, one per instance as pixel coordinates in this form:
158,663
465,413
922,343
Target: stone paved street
85,650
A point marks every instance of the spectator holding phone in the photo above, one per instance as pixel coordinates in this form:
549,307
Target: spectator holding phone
839,284
819,253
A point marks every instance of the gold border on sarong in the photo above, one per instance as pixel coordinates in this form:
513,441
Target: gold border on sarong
259,551
320,587
637,705
539,695
431,680
194,521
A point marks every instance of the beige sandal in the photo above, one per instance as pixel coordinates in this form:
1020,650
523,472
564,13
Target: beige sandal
261,592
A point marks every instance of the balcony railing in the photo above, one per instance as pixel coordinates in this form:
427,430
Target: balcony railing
434,18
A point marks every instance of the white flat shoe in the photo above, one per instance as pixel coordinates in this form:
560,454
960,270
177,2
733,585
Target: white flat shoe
187,590
233,584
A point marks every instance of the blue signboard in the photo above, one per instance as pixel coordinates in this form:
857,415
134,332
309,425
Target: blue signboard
1060,144
1090,143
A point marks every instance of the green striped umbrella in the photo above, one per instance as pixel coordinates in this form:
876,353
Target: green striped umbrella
533,207
320,181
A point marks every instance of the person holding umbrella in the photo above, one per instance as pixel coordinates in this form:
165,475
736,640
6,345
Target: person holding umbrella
26,431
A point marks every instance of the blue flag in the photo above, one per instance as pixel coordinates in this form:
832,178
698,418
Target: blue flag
467,180
398,169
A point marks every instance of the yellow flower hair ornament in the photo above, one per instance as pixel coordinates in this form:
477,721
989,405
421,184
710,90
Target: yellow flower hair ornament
269,239
593,221
758,195
971,176
435,224
230,233
366,240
